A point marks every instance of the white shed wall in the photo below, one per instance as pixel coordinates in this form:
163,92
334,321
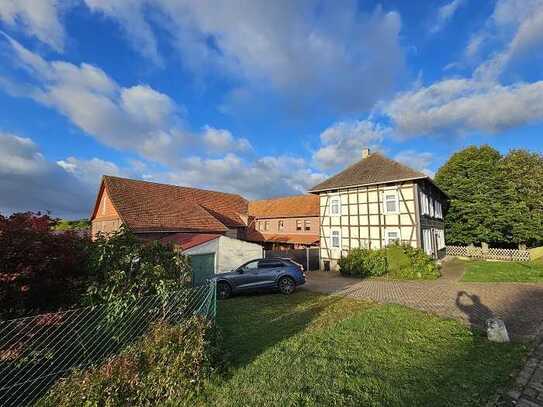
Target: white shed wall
229,253
233,253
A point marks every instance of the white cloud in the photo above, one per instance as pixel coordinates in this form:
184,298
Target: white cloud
466,105
342,143
221,141
39,18
136,118
264,177
445,13
29,182
90,171
515,28
417,160
131,16
308,51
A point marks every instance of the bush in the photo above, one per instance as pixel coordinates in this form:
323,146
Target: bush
123,269
363,263
398,261
406,262
169,366
40,270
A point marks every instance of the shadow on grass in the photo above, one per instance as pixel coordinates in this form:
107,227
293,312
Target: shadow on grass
250,324
383,355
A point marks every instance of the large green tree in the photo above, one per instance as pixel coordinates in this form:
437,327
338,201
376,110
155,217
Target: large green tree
494,199
477,190
523,174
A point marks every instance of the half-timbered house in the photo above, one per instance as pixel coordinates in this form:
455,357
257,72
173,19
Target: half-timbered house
375,202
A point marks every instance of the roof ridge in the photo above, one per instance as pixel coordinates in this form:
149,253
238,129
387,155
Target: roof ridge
171,185
281,197
372,170
396,162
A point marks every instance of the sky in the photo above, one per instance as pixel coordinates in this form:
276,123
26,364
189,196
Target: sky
260,98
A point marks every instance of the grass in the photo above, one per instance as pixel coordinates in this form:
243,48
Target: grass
486,271
315,350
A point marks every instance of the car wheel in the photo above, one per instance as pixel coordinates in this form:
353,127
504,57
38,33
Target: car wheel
286,285
223,290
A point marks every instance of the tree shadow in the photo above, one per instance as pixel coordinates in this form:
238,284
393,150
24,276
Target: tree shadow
252,323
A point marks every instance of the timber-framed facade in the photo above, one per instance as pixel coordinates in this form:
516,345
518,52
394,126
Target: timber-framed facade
375,202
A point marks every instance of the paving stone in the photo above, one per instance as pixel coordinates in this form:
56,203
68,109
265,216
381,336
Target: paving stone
520,305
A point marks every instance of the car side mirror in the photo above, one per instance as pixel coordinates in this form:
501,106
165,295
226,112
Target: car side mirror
240,270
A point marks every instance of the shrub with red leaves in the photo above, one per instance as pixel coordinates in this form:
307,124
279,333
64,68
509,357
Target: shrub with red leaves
40,270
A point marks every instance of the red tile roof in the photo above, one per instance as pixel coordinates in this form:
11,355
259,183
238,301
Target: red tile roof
256,236
289,206
189,240
149,206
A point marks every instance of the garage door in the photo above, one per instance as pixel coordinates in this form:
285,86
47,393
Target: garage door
203,267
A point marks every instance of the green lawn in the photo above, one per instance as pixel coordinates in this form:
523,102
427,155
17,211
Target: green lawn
315,350
490,271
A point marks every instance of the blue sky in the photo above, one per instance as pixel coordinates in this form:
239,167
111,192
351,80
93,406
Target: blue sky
254,97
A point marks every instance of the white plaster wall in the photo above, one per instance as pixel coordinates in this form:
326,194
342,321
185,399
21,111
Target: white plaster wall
229,253
233,253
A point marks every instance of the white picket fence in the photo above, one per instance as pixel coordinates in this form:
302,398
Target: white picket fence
489,254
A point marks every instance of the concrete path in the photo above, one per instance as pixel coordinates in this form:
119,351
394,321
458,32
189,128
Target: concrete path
520,305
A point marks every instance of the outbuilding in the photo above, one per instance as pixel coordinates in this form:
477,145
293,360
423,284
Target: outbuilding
213,253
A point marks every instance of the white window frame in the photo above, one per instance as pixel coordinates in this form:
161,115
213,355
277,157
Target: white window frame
332,235
338,200
427,241
387,194
439,210
388,241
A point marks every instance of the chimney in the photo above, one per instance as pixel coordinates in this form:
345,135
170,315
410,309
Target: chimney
365,153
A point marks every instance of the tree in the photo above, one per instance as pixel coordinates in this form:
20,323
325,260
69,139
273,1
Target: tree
39,270
123,269
478,197
76,225
494,199
523,173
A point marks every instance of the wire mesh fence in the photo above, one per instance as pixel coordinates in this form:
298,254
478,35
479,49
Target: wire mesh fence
36,351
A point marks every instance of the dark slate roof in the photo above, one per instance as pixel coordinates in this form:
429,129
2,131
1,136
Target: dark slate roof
375,169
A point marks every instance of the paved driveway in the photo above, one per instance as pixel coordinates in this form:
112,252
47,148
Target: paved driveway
520,305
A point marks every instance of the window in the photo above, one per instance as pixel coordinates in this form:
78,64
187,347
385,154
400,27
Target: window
427,241
439,210
424,204
280,225
335,238
267,225
335,206
392,236
269,264
391,202
307,225
298,225
251,266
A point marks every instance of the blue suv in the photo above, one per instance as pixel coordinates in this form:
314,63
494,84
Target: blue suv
255,275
